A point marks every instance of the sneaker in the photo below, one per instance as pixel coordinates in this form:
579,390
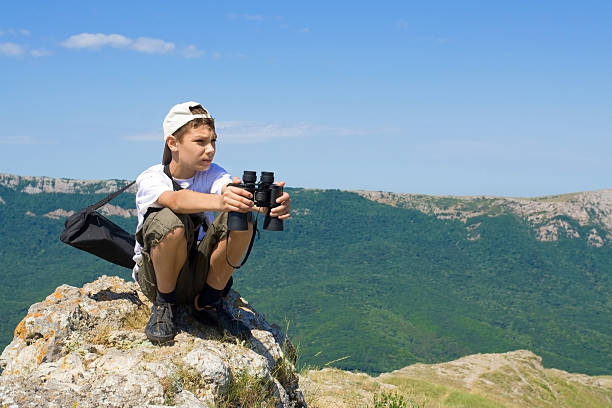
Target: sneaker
216,315
160,328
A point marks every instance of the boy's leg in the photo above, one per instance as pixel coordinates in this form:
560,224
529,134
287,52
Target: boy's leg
164,236
231,250
217,248
215,251
168,258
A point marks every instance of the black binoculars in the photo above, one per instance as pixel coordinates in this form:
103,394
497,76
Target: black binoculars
265,194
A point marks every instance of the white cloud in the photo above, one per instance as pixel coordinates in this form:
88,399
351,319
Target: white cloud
253,132
87,40
247,131
243,131
247,17
146,137
99,40
191,51
236,55
152,45
304,30
40,53
402,25
9,49
12,31
22,140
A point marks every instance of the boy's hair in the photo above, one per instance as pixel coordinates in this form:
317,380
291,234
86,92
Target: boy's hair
195,123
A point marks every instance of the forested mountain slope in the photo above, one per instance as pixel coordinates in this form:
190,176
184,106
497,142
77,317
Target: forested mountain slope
374,285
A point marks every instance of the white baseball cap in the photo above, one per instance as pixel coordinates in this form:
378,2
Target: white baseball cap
178,116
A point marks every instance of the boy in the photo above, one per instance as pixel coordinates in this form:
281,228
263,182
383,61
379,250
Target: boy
177,261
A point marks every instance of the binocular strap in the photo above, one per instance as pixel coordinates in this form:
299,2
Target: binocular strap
255,230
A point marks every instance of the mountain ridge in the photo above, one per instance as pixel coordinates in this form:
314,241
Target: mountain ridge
544,213
70,185
43,184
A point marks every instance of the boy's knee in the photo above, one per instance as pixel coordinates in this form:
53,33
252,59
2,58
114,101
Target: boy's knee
174,236
171,241
165,226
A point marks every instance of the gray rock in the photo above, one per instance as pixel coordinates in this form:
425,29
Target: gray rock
86,346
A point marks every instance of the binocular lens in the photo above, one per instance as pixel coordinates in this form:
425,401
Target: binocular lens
249,177
267,177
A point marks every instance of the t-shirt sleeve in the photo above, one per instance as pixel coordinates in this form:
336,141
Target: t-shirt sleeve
222,178
150,186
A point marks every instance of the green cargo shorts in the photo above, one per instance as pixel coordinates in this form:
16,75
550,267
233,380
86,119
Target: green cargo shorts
192,277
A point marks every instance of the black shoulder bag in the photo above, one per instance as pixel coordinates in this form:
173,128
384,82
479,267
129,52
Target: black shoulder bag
90,231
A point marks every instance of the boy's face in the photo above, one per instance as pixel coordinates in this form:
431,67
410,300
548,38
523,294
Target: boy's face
196,150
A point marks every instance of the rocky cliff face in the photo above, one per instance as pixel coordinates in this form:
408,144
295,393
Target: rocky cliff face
86,347
36,185
550,216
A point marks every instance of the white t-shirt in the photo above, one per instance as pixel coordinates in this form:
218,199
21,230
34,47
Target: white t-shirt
153,182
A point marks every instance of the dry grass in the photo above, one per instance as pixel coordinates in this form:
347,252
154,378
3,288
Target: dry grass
331,387
101,335
138,319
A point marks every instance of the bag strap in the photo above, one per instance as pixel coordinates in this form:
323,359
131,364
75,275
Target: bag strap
175,185
108,198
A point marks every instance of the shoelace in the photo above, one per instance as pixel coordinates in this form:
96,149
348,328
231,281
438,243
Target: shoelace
166,308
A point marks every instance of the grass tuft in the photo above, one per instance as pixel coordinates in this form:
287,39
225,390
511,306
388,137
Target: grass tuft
247,391
181,378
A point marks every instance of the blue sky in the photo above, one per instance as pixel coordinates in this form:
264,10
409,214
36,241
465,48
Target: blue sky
440,97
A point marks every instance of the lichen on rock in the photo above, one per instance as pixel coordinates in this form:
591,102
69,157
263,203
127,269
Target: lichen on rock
86,346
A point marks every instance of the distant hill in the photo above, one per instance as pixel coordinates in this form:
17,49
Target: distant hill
514,379
546,214
374,281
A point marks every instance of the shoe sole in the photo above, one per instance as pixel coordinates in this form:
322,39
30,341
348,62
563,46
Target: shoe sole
205,320
159,340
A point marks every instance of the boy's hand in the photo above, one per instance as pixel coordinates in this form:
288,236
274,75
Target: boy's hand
236,198
283,210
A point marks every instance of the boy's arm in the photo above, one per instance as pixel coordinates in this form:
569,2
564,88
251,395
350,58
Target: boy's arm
190,202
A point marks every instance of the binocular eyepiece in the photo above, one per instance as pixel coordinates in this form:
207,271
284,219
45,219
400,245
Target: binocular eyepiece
265,194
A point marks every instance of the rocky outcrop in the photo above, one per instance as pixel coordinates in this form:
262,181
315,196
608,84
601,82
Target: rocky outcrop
36,185
107,209
86,347
60,213
547,215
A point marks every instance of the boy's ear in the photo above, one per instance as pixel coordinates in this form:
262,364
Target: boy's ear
172,142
